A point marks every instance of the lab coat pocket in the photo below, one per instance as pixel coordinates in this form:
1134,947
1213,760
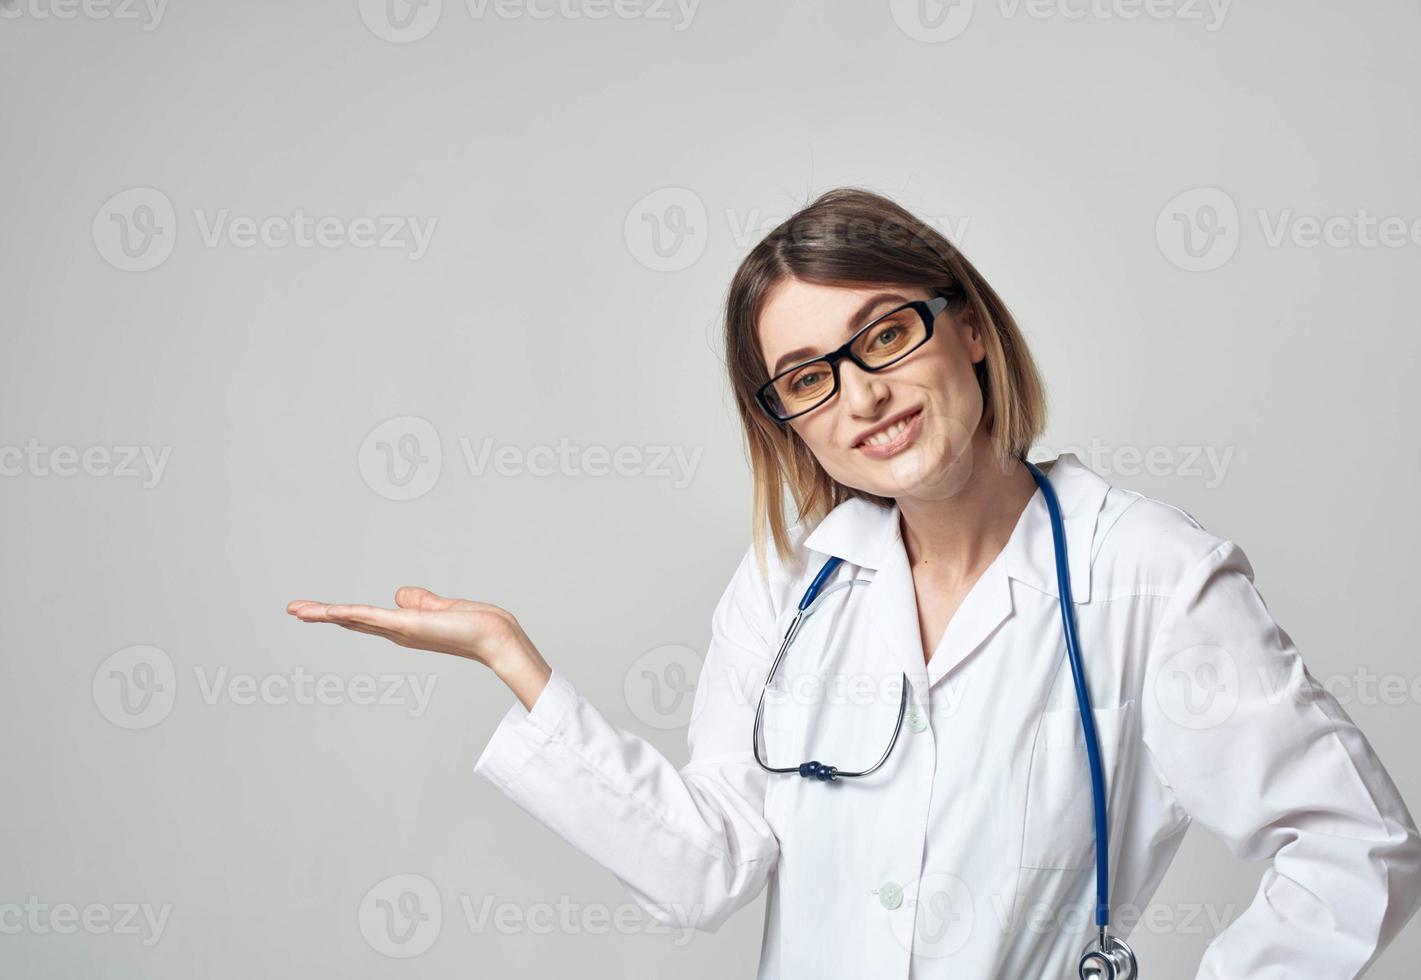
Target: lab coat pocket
1059,824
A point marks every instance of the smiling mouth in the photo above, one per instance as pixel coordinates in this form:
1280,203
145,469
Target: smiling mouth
896,437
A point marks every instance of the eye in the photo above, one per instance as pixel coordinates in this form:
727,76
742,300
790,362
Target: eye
888,333
807,380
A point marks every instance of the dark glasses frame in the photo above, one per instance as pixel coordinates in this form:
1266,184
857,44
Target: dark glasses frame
927,309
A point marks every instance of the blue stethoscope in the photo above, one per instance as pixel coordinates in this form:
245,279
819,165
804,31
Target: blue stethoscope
1107,957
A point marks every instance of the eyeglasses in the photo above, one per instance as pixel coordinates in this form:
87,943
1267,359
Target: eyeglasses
883,342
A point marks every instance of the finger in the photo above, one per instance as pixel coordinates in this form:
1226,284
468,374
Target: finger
371,630
327,612
399,639
308,610
358,627
392,620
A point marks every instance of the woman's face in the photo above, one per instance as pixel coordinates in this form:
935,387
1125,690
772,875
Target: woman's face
933,389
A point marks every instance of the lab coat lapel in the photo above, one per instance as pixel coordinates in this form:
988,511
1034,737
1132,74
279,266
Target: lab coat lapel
893,609
1030,555
869,535
986,607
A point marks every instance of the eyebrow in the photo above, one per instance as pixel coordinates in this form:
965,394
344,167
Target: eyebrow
855,322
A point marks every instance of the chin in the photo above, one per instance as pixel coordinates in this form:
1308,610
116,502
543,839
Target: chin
912,475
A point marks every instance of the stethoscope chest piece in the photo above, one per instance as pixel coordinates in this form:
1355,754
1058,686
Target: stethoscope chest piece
1109,958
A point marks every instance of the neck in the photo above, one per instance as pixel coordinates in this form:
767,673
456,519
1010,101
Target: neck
954,535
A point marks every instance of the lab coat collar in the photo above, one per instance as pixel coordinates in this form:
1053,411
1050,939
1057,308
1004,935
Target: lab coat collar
868,534
863,532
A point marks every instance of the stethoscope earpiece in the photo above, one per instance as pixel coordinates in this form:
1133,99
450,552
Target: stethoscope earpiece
1109,958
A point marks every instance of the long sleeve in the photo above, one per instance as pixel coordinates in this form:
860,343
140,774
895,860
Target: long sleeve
690,845
1254,749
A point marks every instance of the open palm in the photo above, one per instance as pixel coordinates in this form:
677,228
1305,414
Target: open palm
423,620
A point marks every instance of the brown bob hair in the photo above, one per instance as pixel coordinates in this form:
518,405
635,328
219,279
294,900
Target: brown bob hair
855,238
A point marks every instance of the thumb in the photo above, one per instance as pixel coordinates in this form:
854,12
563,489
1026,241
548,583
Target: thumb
418,597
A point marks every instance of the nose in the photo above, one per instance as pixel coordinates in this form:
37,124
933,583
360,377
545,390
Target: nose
861,391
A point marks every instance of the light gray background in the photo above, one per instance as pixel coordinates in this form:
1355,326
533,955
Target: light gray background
594,181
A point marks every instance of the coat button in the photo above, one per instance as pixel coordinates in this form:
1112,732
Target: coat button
917,721
890,894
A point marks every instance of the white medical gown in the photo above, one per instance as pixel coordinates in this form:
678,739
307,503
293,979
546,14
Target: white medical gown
970,853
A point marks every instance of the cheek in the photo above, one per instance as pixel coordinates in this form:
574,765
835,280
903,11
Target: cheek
817,433
958,383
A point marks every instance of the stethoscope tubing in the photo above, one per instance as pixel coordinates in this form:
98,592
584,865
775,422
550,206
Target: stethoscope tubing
1092,740
1112,958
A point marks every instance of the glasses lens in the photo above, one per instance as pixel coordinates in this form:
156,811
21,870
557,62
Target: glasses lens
891,338
802,388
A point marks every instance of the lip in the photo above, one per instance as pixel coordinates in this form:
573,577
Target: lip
905,438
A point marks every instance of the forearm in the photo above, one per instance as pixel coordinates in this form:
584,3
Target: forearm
1283,775
691,844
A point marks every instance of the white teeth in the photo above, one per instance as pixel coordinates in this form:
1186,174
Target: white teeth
888,434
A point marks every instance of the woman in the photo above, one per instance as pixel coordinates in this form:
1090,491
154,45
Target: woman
969,849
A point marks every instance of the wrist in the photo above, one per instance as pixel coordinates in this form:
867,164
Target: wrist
522,668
